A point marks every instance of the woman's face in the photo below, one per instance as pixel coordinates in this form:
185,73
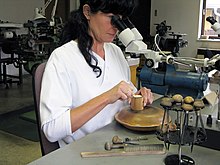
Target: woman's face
100,27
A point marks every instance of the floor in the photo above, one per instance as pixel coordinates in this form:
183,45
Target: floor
16,150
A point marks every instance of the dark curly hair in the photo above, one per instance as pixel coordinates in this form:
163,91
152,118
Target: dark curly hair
76,28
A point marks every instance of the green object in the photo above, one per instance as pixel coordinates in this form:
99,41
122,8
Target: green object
29,116
21,123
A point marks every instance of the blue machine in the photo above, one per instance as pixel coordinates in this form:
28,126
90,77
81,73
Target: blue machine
170,81
166,80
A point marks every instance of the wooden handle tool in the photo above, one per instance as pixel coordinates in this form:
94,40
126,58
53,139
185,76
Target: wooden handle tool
128,151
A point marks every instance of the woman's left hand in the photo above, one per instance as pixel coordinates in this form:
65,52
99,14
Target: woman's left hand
146,94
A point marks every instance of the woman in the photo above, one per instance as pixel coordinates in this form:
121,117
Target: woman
87,79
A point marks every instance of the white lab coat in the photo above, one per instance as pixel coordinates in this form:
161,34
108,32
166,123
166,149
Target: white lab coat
69,82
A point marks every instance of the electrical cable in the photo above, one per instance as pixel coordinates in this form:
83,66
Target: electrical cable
157,46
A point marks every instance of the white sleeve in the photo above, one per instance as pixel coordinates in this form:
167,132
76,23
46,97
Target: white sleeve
58,128
55,100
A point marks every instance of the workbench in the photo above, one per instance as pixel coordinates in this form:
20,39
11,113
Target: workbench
70,154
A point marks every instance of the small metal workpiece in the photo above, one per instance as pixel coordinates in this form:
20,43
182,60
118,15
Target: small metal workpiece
117,140
109,146
139,138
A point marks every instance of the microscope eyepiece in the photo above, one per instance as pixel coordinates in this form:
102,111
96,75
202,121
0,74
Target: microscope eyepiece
128,23
211,20
118,23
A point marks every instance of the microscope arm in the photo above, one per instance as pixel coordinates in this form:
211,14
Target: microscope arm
214,61
132,40
40,13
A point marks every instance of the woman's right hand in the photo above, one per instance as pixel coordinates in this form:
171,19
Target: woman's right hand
122,91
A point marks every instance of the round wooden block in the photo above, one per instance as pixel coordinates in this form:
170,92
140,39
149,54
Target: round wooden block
198,104
177,98
187,107
148,119
188,100
167,99
165,103
137,103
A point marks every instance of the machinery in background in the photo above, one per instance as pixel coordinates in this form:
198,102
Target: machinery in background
184,83
9,44
169,81
215,25
9,39
169,41
40,13
28,49
41,40
41,36
165,80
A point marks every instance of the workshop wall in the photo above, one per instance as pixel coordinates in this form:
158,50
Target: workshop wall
18,11
74,4
183,16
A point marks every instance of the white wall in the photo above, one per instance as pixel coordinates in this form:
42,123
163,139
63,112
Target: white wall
183,16
18,11
74,4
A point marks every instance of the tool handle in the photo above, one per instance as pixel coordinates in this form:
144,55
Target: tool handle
119,153
137,138
109,146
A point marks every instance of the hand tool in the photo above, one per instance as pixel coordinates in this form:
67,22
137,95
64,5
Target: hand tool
117,140
128,151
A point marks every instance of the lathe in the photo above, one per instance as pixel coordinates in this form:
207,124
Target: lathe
33,46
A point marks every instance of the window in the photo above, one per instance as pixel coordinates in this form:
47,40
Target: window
210,8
